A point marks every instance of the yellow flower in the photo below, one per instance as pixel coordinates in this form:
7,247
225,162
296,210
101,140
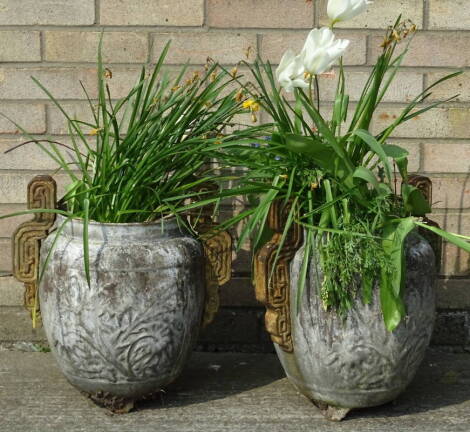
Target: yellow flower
94,132
251,104
233,72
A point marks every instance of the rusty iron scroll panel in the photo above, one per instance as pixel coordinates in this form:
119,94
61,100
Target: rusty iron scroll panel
424,184
273,287
217,252
42,194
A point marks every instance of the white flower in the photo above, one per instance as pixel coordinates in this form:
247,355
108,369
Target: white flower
321,50
342,10
290,72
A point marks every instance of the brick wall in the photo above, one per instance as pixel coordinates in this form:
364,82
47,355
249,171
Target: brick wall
56,41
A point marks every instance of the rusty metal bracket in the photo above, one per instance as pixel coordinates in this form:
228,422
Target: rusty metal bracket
42,194
218,256
424,184
272,285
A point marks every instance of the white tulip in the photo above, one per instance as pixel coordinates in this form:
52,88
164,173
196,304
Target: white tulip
321,50
342,10
290,72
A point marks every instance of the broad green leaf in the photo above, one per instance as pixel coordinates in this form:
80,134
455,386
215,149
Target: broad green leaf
316,149
394,151
377,148
368,176
393,309
384,190
400,156
460,241
392,285
414,201
319,151
394,236
326,133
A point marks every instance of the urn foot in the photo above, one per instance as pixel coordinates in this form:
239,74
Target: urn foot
331,412
115,404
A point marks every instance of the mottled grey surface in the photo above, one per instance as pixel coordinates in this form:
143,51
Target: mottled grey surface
132,329
357,362
228,392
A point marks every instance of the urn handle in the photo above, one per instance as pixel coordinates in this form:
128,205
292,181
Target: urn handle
217,246
42,194
424,184
272,278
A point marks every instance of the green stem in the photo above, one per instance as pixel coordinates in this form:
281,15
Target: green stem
310,89
346,214
329,198
317,92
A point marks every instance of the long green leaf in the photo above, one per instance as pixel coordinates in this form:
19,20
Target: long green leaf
368,176
392,285
463,242
86,248
377,148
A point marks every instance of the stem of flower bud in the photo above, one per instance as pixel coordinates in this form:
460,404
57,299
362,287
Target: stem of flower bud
317,92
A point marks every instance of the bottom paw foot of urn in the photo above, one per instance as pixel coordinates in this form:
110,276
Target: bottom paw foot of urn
114,404
331,412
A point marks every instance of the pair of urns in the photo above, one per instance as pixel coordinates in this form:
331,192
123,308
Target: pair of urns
129,332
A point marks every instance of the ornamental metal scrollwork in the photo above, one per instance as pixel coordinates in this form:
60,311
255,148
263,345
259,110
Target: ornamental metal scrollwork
273,287
424,184
218,256
42,194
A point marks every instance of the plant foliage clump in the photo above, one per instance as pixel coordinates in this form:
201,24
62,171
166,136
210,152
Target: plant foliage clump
339,181
350,265
152,148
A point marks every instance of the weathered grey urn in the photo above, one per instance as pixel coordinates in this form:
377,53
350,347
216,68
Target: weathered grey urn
129,332
355,363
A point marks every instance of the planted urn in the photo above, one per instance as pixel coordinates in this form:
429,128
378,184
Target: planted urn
130,260
343,259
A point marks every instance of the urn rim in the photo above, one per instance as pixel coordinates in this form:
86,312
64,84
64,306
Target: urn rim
137,231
